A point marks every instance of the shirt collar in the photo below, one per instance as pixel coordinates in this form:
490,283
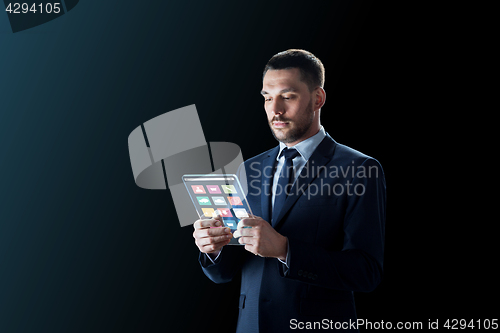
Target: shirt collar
307,147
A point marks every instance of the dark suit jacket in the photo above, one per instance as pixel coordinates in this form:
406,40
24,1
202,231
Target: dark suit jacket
335,239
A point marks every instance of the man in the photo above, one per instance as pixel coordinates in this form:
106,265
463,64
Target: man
318,231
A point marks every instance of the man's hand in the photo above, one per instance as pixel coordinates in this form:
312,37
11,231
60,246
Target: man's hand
261,239
210,236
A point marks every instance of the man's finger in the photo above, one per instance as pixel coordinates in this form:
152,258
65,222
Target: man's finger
248,222
246,240
201,224
213,246
249,232
240,228
214,240
237,233
250,248
211,232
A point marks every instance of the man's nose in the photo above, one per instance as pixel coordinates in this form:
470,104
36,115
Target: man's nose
276,107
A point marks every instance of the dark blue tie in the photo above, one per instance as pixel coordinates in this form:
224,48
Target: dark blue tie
285,181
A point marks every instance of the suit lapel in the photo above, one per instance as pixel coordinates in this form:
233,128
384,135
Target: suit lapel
268,165
321,156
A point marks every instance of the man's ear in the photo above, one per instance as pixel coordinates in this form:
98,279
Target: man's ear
319,98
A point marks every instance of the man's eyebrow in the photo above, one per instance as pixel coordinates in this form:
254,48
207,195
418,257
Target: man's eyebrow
281,92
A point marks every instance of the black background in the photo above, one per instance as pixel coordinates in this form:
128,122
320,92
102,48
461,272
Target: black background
83,249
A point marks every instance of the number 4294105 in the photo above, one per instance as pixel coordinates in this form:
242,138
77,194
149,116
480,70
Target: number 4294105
48,8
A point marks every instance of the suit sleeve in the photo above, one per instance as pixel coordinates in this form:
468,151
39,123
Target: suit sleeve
226,266
358,266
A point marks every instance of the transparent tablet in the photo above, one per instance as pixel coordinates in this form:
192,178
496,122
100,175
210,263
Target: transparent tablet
218,194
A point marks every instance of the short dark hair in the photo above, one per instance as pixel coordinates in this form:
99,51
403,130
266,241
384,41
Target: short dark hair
312,71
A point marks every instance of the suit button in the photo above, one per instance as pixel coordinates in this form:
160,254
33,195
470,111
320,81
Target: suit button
300,272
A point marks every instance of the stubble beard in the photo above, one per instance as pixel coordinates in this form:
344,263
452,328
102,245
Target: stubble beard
298,129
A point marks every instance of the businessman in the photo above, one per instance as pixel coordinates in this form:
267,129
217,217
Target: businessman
318,231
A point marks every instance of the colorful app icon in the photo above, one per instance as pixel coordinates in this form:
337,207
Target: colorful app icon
240,212
235,201
208,212
229,189
214,189
219,201
225,212
231,224
198,189
203,201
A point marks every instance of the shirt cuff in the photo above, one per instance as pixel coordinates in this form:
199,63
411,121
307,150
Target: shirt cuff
287,252
214,260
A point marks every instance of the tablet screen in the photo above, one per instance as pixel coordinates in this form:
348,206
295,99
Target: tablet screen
218,194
